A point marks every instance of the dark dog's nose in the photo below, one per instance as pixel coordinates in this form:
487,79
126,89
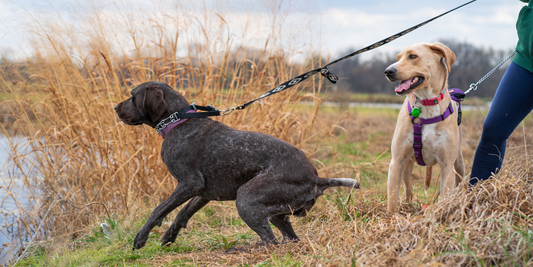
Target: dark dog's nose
116,106
390,71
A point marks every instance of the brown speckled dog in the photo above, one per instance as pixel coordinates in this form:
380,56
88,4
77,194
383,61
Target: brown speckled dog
269,178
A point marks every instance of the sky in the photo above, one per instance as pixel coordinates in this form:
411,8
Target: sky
489,23
335,27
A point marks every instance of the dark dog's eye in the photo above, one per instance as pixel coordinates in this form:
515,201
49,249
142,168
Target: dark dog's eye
412,56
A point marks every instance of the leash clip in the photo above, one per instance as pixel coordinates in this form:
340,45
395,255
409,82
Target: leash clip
230,110
473,86
227,111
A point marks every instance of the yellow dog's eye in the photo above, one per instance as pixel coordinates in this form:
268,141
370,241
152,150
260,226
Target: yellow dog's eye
412,56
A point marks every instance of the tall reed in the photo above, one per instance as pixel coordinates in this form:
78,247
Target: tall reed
90,165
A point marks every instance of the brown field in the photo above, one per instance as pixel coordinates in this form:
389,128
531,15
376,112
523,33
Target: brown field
94,168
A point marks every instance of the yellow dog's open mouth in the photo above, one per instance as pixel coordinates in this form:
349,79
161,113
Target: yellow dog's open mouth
408,85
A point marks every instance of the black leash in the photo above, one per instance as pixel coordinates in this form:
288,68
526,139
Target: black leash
323,70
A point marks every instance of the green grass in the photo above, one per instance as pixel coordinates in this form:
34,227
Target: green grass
97,249
115,249
286,260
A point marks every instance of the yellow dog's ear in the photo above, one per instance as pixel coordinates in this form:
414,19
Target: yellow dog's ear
446,53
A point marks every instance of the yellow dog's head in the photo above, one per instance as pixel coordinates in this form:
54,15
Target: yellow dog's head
421,66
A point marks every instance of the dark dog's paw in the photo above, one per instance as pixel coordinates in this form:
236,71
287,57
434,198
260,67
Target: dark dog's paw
140,239
168,237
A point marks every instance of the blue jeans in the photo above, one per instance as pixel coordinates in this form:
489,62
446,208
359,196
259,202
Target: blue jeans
511,104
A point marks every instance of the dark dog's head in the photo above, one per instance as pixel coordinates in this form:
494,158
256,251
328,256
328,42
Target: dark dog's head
149,103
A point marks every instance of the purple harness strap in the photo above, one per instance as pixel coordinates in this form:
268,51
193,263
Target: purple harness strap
417,127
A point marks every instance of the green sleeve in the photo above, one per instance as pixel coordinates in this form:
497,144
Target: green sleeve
524,47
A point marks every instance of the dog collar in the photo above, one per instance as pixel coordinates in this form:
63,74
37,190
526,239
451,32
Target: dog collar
177,118
432,101
174,121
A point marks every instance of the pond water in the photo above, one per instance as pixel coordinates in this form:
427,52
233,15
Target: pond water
14,198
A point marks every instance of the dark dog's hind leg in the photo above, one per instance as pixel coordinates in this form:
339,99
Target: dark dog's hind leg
271,195
259,223
194,205
283,223
255,216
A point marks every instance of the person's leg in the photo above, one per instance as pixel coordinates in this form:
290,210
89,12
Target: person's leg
511,104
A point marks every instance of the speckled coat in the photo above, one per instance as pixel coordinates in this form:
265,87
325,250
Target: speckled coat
269,178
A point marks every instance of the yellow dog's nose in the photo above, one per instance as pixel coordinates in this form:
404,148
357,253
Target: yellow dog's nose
390,71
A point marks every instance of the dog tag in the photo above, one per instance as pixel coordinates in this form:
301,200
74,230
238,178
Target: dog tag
416,112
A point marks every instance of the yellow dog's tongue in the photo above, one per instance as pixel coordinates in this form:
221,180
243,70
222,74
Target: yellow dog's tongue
403,86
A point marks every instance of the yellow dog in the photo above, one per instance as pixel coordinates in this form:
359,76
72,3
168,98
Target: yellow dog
427,131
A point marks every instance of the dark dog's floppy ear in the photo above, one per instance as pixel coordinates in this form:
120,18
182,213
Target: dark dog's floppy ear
446,52
154,103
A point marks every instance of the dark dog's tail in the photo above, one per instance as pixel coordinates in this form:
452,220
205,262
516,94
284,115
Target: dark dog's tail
325,183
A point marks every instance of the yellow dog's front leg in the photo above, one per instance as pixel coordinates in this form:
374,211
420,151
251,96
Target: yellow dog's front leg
394,180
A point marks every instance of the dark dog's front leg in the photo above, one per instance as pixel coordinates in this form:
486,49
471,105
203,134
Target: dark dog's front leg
182,218
181,194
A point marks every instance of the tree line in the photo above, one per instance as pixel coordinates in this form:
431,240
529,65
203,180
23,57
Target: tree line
356,75
472,63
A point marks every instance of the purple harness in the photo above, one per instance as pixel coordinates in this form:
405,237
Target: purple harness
457,95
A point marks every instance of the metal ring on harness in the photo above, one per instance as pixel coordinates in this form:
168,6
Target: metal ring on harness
473,86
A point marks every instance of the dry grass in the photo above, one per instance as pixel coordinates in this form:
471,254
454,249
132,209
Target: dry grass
489,225
91,166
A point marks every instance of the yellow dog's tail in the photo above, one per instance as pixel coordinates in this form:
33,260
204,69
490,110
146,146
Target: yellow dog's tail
429,171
